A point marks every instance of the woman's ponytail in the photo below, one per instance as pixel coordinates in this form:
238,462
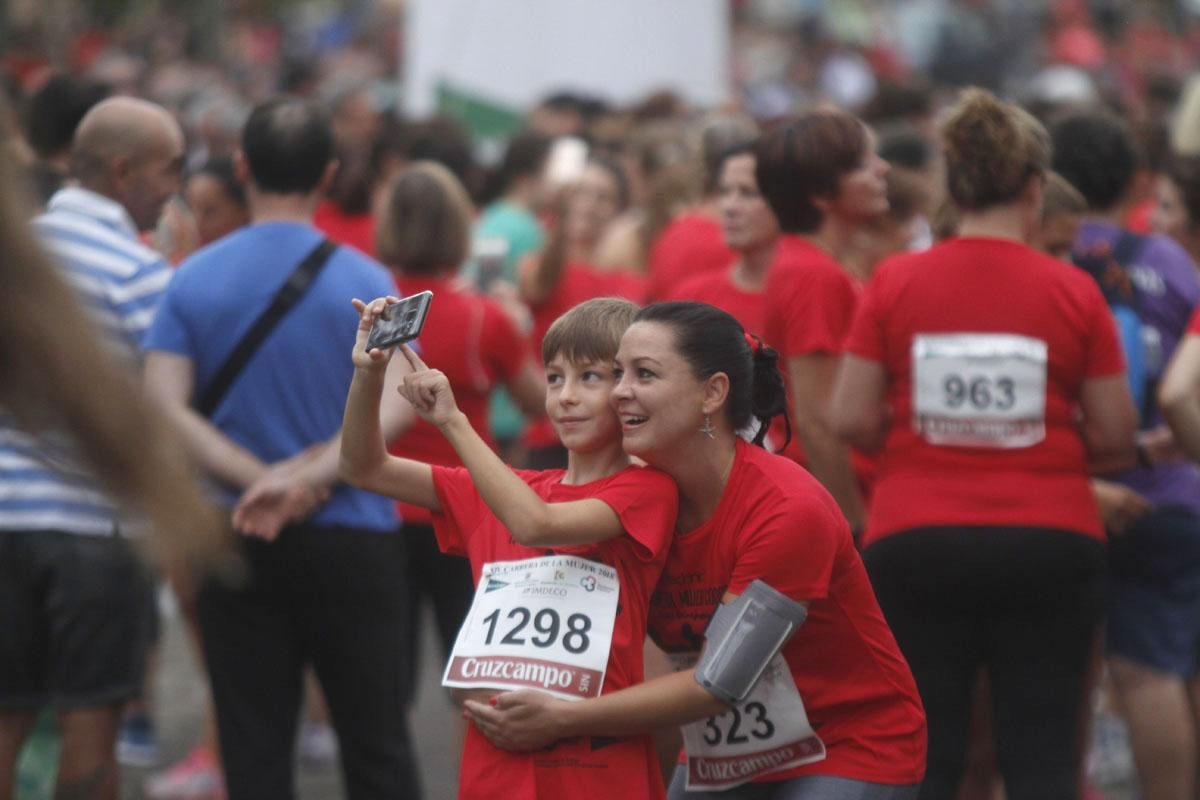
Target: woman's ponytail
768,394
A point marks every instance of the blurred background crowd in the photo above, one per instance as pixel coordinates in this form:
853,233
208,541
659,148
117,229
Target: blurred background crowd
894,63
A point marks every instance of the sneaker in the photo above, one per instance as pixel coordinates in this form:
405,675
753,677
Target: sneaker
318,743
137,744
197,777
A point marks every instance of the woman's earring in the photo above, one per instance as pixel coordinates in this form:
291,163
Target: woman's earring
708,430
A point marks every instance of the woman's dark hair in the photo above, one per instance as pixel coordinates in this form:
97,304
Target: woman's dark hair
803,160
524,157
733,151
1094,152
711,341
353,184
613,168
220,169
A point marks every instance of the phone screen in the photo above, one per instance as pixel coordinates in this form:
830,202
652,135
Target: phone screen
400,322
567,160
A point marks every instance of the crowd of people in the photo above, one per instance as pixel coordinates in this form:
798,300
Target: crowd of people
837,454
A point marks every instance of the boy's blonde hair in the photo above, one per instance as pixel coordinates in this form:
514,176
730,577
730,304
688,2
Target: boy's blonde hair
589,332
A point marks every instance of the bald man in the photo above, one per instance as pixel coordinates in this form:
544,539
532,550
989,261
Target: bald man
72,595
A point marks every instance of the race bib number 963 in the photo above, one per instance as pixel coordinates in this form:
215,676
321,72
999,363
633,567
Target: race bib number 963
543,623
979,389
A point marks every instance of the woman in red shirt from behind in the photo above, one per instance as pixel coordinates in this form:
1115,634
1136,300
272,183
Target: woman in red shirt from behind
423,237
992,377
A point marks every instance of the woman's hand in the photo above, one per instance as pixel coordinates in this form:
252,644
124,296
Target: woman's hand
367,314
518,721
428,390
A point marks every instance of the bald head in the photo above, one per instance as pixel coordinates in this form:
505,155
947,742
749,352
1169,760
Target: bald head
131,151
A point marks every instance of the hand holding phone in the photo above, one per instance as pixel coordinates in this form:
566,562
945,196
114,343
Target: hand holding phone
400,322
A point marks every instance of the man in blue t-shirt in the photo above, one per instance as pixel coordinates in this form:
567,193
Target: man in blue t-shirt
323,590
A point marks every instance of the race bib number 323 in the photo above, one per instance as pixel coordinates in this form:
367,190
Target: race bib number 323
979,389
542,623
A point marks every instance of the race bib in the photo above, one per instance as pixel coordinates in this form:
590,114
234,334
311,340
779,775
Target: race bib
543,623
767,732
979,389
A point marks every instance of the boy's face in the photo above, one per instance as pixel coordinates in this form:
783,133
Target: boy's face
577,403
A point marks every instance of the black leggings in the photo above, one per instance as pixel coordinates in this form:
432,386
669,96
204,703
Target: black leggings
1022,602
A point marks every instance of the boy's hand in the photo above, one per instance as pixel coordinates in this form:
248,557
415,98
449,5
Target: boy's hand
428,390
367,314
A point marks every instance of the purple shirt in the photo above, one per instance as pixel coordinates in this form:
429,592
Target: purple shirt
1169,288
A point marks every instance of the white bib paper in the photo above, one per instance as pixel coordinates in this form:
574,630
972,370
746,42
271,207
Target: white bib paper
979,389
767,732
542,623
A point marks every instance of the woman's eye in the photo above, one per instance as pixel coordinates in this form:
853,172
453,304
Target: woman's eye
617,373
645,373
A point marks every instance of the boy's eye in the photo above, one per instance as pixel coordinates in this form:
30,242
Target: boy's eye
553,378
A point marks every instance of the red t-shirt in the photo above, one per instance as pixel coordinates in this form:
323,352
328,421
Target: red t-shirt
810,303
579,282
591,768
718,289
775,522
1193,326
356,230
692,244
981,286
476,344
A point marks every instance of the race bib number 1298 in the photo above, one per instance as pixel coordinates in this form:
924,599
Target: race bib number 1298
542,623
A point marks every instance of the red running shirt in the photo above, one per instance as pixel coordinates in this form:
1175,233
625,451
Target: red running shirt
579,282
810,303
775,522
474,342
973,285
356,230
586,768
1194,323
691,245
718,289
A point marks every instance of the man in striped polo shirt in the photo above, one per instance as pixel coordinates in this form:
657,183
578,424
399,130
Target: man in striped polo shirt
72,596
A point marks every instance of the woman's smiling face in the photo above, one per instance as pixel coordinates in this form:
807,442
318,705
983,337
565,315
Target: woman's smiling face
657,397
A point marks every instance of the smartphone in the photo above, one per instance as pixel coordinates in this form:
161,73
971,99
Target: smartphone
490,255
567,160
400,322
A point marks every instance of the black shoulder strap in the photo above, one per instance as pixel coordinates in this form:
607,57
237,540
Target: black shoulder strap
287,296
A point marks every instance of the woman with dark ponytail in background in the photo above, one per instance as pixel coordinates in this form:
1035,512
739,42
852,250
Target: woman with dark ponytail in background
834,712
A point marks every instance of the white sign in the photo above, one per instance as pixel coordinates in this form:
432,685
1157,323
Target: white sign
516,52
